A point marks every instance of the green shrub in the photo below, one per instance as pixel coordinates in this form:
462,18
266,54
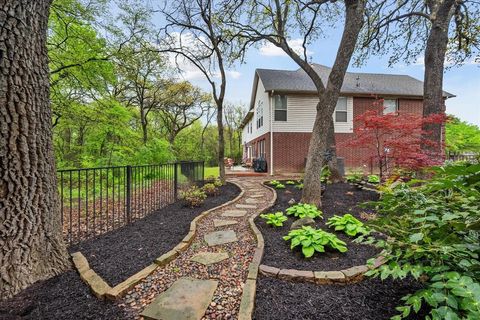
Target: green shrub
299,186
193,196
210,189
279,186
290,182
373,178
218,183
302,210
210,179
275,219
348,224
354,177
313,240
273,182
433,230
325,174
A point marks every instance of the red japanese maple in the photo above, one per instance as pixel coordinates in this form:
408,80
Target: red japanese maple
394,140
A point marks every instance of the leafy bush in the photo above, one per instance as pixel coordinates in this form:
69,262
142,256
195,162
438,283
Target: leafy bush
302,210
279,186
210,189
433,233
373,178
354,177
348,224
273,182
325,174
193,196
275,219
290,182
218,183
210,179
313,240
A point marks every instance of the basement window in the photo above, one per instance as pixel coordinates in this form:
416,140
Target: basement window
280,108
341,110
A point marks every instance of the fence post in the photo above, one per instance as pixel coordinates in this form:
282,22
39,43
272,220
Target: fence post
175,181
128,188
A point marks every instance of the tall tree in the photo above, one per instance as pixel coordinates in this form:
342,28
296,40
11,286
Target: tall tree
234,114
194,34
277,22
31,245
443,30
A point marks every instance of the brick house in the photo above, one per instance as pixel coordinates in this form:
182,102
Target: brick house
282,112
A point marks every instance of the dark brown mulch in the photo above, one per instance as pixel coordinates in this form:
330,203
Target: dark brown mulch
119,254
370,299
339,198
62,297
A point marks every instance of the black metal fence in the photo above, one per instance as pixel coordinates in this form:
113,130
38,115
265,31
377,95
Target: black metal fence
97,200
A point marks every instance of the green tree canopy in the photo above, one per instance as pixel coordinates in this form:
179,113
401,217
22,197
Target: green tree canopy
461,136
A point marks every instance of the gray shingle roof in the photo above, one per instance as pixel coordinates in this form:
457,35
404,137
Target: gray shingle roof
354,82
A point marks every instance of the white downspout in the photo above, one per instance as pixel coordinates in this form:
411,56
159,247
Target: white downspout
271,133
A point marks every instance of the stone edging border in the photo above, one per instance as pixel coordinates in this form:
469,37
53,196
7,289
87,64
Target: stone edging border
102,290
247,303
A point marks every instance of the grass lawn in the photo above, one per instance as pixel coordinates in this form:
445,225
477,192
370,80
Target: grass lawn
211,171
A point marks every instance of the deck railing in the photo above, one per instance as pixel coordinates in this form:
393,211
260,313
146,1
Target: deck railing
97,200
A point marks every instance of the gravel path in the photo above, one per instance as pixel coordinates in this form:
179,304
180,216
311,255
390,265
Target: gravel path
230,273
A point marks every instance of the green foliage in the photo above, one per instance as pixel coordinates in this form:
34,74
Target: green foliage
354,177
373,178
299,186
290,182
433,230
274,219
218,183
210,189
461,136
312,240
279,186
348,224
325,174
193,196
302,210
273,182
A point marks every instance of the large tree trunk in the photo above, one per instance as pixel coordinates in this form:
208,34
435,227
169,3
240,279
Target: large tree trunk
435,50
144,123
354,10
221,141
332,151
31,245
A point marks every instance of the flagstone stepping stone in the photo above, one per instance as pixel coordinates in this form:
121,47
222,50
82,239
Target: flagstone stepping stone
257,196
234,213
220,237
246,206
208,258
186,299
222,223
251,201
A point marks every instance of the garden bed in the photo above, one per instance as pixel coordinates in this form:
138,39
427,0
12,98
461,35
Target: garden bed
339,198
370,299
62,297
119,254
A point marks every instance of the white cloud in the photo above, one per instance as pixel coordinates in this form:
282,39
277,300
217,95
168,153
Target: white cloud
234,74
270,50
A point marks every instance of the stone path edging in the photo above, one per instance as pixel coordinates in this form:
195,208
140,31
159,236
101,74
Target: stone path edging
247,303
101,289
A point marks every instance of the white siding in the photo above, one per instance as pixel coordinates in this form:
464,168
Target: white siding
262,96
301,111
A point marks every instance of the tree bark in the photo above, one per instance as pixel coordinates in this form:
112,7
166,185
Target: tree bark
335,175
435,51
144,124
221,141
328,100
31,245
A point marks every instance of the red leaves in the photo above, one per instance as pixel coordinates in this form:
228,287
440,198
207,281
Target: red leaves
395,139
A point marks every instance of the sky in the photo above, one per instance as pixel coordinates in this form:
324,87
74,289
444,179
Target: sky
463,81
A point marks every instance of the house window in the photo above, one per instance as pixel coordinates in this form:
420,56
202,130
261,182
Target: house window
390,106
341,110
259,114
280,108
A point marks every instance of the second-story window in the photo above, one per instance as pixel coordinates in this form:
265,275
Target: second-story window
280,108
341,110
259,114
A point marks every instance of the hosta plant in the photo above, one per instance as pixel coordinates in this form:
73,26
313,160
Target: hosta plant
302,210
193,196
348,224
299,186
218,183
279,186
273,182
274,219
290,182
314,240
373,178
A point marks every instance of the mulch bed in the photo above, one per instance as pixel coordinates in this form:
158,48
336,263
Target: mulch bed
339,198
62,297
370,299
121,253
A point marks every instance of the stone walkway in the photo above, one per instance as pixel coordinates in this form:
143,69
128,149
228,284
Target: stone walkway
206,281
